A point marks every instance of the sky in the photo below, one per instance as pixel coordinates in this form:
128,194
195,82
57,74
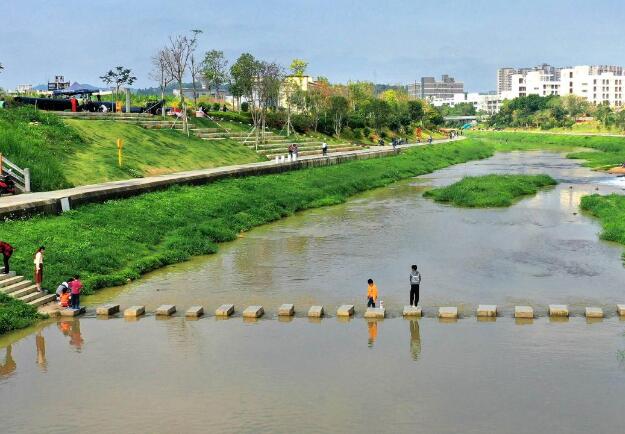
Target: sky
385,41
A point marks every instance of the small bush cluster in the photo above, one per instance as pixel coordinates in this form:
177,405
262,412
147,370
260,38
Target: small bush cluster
15,314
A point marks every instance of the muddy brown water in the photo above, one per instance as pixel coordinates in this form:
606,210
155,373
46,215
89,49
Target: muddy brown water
394,375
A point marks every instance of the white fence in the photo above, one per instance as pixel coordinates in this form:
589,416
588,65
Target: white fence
21,176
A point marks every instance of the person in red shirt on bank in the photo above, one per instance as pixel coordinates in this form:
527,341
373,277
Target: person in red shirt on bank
75,287
7,250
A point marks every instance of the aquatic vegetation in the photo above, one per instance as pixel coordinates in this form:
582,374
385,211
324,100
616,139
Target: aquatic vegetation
610,210
489,190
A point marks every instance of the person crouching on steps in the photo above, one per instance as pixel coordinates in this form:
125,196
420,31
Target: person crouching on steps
372,293
415,281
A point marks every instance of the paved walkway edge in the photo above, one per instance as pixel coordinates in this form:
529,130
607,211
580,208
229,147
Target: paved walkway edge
54,202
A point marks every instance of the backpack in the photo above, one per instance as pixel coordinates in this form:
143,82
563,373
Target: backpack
415,279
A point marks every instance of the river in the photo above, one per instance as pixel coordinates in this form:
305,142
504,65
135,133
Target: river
331,375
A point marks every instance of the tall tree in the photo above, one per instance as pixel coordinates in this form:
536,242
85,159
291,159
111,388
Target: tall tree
298,67
215,70
242,74
290,87
338,108
266,90
118,77
177,56
195,67
160,73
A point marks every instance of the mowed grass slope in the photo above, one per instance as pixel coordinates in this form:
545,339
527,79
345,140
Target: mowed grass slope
489,190
146,152
65,153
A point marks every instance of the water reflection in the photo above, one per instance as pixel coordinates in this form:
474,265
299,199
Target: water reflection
71,328
415,339
8,367
373,332
40,343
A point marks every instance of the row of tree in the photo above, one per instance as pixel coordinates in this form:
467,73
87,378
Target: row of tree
553,111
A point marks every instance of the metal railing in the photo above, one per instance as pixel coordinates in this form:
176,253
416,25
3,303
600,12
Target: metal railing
20,176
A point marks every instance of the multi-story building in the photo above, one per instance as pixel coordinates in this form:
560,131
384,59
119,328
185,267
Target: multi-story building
504,75
429,88
489,103
597,84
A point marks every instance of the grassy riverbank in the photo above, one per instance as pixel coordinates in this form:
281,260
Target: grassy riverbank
15,314
112,242
610,210
603,153
489,190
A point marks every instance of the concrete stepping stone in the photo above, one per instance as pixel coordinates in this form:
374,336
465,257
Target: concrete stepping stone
375,312
594,312
315,311
286,309
107,309
225,310
194,312
72,312
448,312
253,312
345,310
620,309
134,311
561,310
487,310
413,311
523,312
166,310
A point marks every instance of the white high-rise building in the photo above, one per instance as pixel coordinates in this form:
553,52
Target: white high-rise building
597,84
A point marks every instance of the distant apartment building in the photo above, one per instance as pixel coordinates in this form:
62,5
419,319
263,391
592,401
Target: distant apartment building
596,83
488,103
24,88
430,88
504,75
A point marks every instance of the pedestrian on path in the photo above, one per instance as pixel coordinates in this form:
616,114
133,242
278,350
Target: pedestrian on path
7,250
296,150
430,139
415,281
372,293
324,149
39,267
290,151
75,287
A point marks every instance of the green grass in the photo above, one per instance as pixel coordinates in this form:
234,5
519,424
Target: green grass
610,210
66,153
146,152
15,314
109,243
489,190
603,153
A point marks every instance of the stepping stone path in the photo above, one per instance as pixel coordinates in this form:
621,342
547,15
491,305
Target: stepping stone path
72,312
134,311
253,312
620,309
375,312
413,311
225,310
487,310
315,311
194,312
25,290
523,312
594,312
558,310
107,309
448,312
286,310
345,310
166,310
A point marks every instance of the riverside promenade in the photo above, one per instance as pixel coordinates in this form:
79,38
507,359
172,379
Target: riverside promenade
57,201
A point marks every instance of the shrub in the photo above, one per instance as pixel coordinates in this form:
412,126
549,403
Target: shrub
245,106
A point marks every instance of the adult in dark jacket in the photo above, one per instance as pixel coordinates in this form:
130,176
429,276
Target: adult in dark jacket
7,250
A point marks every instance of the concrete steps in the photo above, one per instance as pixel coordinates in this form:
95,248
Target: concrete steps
24,290
307,153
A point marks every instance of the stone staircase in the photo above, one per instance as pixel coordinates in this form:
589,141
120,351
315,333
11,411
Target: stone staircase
25,290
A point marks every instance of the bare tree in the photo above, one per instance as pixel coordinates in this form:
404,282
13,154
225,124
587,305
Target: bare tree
266,91
177,57
161,74
195,67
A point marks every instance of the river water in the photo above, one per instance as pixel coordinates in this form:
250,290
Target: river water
331,375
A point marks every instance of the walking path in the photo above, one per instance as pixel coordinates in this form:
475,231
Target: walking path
53,202
561,133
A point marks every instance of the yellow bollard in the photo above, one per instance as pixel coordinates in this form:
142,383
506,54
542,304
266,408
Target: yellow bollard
120,147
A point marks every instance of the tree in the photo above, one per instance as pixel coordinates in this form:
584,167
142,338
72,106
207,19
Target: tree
338,108
194,67
118,77
160,73
177,56
266,90
215,70
575,105
242,74
416,111
298,67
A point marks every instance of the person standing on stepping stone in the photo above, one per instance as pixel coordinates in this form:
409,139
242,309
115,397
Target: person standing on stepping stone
415,281
372,293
